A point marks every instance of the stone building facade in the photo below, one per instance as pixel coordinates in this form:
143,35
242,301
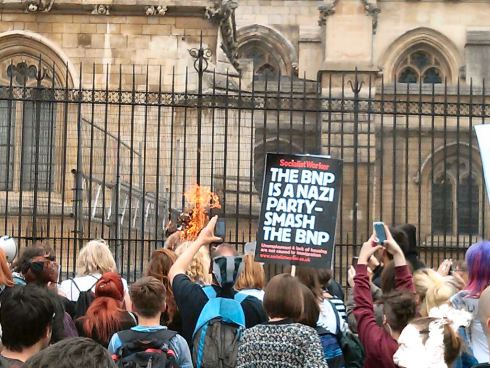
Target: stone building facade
412,167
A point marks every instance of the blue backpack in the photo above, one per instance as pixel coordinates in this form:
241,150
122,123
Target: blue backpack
218,331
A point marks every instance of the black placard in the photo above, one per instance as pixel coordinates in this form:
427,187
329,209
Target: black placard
300,199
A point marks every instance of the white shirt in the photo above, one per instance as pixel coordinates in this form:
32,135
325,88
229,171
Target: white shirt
327,318
84,283
259,294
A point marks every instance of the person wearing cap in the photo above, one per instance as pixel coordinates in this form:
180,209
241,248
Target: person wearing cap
226,267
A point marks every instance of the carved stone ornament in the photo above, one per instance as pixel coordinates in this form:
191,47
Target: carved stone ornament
152,10
101,9
23,72
223,13
35,6
295,67
220,10
373,11
325,11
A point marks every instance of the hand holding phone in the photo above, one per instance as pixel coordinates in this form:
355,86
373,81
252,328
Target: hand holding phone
219,231
385,239
379,230
207,235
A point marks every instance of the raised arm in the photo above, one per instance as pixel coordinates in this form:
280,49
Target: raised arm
206,236
403,277
369,331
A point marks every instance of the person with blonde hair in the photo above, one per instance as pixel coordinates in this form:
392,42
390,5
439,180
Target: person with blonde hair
94,259
252,279
6,279
198,271
433,290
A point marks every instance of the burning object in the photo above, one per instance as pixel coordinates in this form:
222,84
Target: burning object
201,200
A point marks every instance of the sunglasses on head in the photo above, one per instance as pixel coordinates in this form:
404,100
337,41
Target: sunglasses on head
37,266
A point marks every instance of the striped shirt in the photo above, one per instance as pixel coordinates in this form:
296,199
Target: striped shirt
340,307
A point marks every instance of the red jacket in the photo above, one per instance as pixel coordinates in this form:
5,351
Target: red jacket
378,344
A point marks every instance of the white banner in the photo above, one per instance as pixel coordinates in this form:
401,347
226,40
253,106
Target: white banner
483,135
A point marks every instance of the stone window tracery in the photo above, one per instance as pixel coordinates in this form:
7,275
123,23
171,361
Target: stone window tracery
28,129
420,65
264,63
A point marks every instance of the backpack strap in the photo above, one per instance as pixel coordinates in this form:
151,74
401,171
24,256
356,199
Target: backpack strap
240,297
74,283
95,283
163,337
210,292
337,318
133,317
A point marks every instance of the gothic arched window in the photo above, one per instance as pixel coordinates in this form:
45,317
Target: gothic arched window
420,65
455,197
27,128
442,206
468,206
264,62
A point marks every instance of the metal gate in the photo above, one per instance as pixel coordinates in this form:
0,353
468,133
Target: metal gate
82,161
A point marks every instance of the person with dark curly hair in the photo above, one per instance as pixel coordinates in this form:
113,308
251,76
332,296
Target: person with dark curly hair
72,353
380,343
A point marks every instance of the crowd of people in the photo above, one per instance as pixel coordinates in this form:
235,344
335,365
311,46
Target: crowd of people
200,305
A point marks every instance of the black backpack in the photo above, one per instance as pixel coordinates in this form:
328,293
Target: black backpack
146,349
84,300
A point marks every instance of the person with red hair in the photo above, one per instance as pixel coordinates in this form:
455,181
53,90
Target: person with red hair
107,313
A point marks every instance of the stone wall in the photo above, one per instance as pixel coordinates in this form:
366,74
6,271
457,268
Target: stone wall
111,41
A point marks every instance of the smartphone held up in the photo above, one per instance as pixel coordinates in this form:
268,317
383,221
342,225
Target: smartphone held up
380,232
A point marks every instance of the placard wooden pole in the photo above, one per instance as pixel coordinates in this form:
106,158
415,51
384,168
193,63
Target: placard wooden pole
293,271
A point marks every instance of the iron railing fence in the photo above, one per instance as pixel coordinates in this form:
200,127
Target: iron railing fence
82,161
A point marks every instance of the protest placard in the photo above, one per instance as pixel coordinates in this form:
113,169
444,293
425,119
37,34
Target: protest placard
300,199
483,135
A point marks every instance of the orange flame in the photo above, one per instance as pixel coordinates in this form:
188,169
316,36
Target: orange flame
201,200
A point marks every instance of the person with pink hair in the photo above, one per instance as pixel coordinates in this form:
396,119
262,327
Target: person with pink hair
478,261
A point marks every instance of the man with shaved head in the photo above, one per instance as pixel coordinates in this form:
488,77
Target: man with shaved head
484,313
